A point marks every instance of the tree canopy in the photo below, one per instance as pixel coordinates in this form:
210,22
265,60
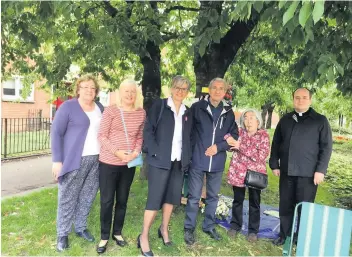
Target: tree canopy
272,45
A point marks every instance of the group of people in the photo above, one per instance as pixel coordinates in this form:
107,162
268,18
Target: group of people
93,149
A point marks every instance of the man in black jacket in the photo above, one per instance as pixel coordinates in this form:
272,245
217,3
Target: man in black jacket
300,153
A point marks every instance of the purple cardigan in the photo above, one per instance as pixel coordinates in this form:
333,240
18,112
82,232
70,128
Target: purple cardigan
68,135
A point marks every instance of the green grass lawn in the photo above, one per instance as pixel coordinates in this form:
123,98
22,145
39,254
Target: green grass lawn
28,223
25,143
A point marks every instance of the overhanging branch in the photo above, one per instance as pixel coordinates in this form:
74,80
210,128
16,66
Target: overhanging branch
112,11
181,8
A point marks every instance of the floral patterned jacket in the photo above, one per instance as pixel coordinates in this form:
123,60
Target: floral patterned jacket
251,155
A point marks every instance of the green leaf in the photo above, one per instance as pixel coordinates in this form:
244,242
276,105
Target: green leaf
258,5
330,74
268,13
310,34
217,36
331,22
240,5
213,16
322,68
324,58
290,26
297,37
339,68
318,10
304,13
290,12
77,13
202,47
282,4
249,6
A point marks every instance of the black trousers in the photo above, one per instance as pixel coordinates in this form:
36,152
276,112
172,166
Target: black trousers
293,190
254,209
114,183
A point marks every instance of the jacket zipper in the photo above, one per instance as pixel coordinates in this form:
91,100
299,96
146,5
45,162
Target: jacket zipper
213,139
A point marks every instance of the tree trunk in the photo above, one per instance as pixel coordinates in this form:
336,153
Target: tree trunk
151,81
264,112
270,116
151,86
218,56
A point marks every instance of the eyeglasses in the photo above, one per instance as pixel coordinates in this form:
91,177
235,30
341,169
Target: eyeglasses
88,88
181,89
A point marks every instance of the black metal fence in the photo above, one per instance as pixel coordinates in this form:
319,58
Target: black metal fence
24,136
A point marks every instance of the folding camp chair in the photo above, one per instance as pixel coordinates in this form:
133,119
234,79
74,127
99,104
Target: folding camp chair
323,231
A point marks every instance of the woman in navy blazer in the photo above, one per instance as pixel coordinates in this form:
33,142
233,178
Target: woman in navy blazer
168,145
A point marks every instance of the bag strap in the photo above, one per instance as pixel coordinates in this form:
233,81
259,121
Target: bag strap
124,127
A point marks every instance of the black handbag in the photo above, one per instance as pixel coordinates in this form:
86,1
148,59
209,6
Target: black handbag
256,180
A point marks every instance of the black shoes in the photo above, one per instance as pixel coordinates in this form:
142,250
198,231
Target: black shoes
86,235
213,234
161,236
150,253
102,249
62,243
232,233
279,241
189,236
121,243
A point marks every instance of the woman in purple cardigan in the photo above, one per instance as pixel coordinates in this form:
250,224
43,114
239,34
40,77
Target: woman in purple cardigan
75,153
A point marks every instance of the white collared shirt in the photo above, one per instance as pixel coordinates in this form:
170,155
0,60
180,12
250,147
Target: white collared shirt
177,137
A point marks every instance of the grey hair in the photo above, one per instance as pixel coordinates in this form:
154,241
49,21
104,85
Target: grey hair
219,80
179,81
257,115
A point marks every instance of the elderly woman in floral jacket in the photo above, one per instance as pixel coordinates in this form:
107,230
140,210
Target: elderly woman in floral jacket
250,153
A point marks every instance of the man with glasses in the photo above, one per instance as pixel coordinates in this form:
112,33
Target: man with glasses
213,120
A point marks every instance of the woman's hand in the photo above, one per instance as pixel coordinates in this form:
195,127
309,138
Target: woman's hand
235,144
122,155
56,169
230,140
131,156
125,156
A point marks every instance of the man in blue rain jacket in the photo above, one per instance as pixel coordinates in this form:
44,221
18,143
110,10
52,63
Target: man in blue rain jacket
213,120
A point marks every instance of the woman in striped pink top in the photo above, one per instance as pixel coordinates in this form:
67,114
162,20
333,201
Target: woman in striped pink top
116,151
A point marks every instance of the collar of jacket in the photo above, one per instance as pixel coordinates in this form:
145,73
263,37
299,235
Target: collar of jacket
167,106
205,104
312,113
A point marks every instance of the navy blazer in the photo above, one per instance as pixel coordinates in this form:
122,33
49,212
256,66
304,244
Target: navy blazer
158,137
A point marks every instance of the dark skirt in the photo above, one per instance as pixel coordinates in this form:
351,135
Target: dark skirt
164,186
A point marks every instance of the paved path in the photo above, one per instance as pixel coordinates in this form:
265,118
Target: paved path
24,175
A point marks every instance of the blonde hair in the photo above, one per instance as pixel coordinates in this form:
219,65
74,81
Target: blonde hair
87,77
139,98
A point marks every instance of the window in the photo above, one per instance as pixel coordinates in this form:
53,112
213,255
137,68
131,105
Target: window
12,90
104,98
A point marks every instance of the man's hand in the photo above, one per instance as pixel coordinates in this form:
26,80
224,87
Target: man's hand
318,177
212,150
56,169
276,172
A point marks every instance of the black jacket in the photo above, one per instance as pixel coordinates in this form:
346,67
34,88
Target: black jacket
207,131
158,137
301,148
